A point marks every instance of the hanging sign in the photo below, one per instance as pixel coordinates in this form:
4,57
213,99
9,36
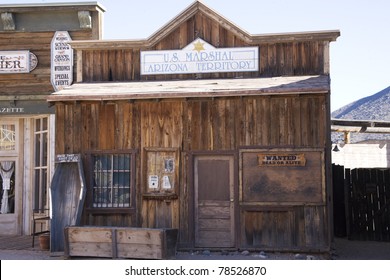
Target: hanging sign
17,62
67,158
290,159
200,57
61,61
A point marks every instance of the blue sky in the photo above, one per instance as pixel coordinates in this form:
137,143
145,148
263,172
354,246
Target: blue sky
360,58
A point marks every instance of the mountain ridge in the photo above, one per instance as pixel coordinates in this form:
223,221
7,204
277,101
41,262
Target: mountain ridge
374,107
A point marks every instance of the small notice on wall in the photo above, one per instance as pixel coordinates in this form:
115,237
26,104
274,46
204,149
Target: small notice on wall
153,182
166,182
289,159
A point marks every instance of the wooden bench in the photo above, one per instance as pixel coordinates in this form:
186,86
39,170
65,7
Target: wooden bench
120,242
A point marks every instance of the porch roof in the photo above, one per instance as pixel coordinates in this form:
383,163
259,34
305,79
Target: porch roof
191,88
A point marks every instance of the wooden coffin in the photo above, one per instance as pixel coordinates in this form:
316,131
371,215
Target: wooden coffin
120,242
67,197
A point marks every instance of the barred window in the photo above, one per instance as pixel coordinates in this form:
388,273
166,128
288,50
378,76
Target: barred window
112,180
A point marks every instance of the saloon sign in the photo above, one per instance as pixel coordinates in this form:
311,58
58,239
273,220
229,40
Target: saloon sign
200,57
17,62
61,60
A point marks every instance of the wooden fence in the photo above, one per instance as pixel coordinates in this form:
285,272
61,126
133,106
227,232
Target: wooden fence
365,213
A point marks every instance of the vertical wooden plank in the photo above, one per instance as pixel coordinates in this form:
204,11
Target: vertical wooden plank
114,245
126,119
288,59
77,129
280,60
206,128
377,203
265,120
275,121
347,195
69,134
296,121
248,121
247,229
105,65
272,59
79,68
112,65
304,119
94,127
229,122
263,55
120,69
314,227
119,126
220,142
283,120
240,122
369,194
60,129
386,206
96,65
106,126
128,64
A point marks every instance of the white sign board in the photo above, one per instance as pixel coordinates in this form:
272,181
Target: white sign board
200,57
153,182
61,61
17,62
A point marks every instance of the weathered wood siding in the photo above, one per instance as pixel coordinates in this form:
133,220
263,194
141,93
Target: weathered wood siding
198,125
35,84
275,58
209,124
285,228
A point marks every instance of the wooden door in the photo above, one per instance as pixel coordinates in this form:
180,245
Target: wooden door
214,201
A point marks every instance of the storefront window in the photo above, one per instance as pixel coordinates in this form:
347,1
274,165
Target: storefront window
40,164
7,137
7,183
112,177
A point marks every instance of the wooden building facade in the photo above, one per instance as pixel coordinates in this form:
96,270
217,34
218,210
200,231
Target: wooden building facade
26,120
231,159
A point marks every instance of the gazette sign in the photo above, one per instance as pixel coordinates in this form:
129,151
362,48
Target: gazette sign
290,159
200,57
61,60
17,62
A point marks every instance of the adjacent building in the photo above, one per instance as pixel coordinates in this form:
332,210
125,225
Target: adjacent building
35,60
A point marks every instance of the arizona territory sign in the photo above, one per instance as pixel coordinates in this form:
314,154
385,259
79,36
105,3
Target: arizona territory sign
61,60
200,57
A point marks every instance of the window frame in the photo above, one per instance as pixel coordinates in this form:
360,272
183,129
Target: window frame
90,174
160,193
42,197
15,151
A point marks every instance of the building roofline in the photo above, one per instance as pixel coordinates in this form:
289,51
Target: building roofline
29,6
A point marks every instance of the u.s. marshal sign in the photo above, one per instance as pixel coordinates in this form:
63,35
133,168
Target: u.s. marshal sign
200,57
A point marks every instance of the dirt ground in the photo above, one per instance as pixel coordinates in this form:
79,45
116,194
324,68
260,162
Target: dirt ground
343,249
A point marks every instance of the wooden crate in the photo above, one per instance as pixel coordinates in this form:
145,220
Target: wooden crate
120,242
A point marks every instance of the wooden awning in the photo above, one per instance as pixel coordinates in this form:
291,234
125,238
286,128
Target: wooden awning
360,126
191,88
